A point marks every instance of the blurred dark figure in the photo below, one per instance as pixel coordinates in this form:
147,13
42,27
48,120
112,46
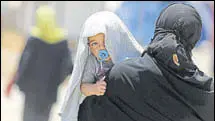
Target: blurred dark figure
44,64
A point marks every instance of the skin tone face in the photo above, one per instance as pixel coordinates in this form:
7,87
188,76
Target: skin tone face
97,43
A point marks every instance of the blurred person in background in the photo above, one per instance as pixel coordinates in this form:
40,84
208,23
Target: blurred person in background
45,62
104,41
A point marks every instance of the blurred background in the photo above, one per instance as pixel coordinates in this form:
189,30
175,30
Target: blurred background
18,17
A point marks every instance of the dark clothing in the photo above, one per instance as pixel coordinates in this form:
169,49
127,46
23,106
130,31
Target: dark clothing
41,69
139,91
36,109
157,87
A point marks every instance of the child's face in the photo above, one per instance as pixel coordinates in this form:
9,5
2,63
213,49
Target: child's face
97,43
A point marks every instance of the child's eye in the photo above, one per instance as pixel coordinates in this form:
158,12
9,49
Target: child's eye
94,44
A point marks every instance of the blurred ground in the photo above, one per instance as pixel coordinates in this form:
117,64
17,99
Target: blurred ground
11,48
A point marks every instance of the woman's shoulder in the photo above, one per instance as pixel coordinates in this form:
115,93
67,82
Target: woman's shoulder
135,65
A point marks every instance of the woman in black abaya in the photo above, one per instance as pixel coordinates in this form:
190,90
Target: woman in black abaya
162,85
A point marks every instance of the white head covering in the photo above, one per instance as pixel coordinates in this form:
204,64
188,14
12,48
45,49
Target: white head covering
119,43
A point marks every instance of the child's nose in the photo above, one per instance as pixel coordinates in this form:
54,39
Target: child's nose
102,47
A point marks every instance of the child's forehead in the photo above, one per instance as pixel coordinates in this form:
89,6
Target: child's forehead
98,37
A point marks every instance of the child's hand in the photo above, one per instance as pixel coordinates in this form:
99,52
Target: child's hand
100,88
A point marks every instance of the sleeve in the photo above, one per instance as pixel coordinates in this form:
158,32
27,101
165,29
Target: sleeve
24,60
88,75
89,72
68,60
67,64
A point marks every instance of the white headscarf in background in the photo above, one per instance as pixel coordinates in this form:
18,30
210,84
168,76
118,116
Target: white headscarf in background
119,43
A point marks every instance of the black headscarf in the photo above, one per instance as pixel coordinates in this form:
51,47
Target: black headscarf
178,28
183,21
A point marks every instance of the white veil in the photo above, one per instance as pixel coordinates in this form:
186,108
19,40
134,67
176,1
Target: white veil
119,43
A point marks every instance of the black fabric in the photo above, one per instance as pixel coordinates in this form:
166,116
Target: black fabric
139,91
43,67
182,20
36,109
154,87
178,29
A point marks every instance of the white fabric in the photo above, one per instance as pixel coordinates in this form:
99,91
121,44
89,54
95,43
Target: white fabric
119,43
